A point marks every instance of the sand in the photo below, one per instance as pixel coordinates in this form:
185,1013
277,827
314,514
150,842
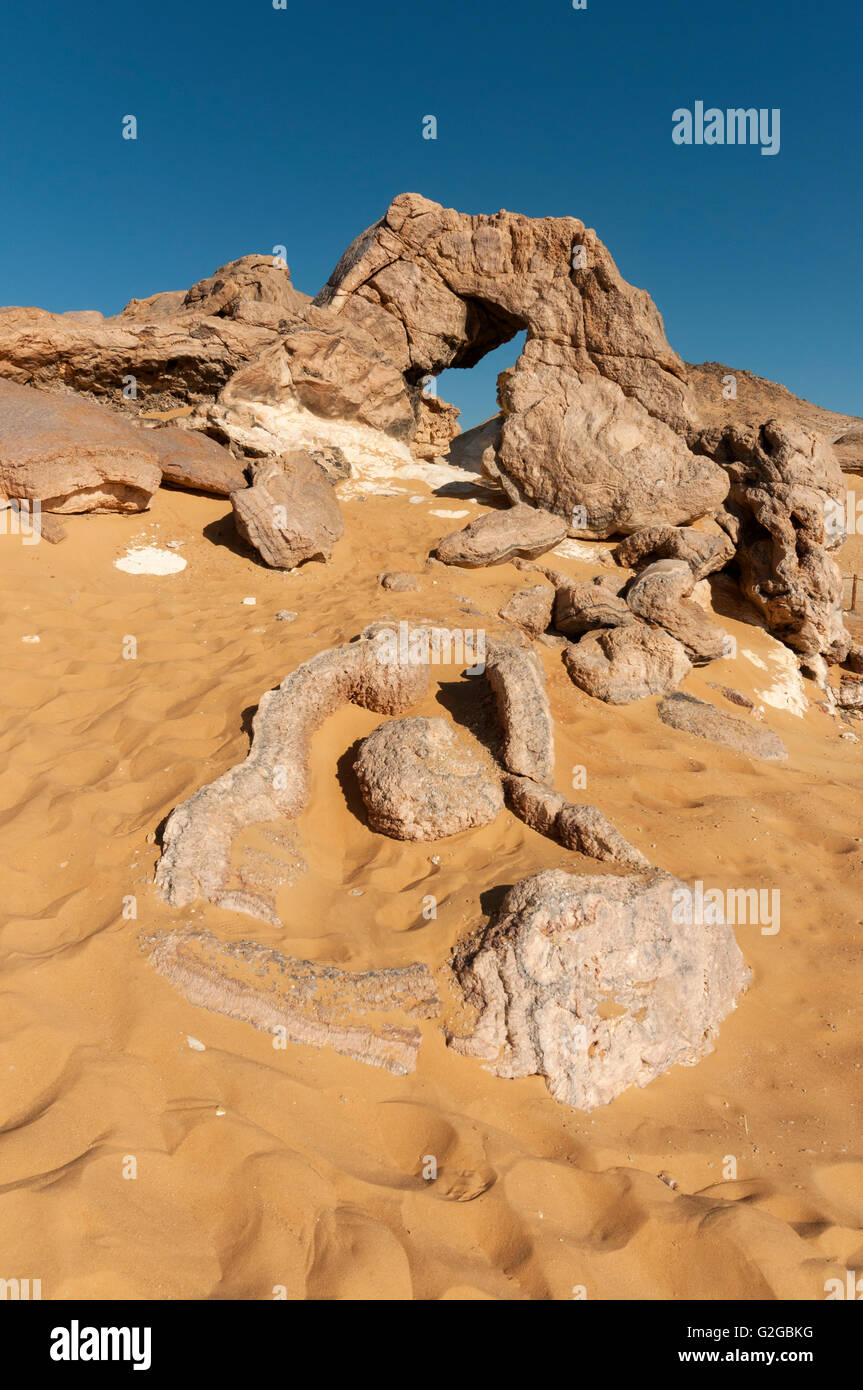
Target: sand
152,1149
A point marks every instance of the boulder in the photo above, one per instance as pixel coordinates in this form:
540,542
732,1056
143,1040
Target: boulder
623,664
581,828
582,605
419,780
694,716
789,497
71,455
192,460
289,513
498,536
590,983
530,609
660,595
517,679
704,551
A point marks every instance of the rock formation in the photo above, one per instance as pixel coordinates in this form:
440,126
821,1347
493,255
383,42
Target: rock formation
314,1005
498,536
581,828
290,512
590,983
623,664
704,551
582,605
517,680
189,459
72,456
419,781
660,595
529,609
684,712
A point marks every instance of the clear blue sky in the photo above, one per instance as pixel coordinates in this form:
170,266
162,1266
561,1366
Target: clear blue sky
259,126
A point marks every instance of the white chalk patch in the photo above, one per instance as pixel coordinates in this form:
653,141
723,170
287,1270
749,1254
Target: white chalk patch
589,551
195,1044
435,512
250,601
150,559
787,691
32,638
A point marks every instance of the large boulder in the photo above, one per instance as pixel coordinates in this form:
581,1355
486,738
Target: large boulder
189,459
787,503
290,512
595,407
71,455
704,551
498,536
419,780
660,595
592,983
623,664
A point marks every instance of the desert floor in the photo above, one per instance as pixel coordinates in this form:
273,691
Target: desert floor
262,1172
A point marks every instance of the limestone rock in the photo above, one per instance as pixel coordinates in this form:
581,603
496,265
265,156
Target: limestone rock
705,552
73,456
399,581
660,594
590,983
582,605
581,828
786,488
497,536
697,717
273,781
419,781
192,460
595,406
290,512
314,1005
623,664
530,609
517,679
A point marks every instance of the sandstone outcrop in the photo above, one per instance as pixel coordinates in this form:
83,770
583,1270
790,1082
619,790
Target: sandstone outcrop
272,783
660,595
498,536
289,513
623,664
421,781
693,716
581,828
71,455
590,983
313,1005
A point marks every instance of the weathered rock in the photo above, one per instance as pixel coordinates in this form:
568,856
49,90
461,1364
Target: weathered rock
848,449
591,983
419,781
272,782
399,581
581,828
497,536
71,455
530,609
290,512
789,495
849,695
582,605
660,594
854,659
517,679
593,407
314,1005
697,717
705,552
192,460
436,426
623,664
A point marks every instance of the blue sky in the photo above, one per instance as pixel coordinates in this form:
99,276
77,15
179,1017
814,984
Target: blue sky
259,127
